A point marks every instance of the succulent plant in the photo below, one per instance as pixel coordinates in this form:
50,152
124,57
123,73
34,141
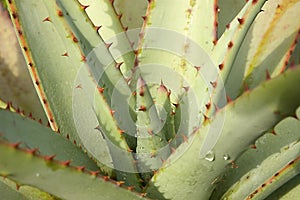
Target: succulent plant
150,99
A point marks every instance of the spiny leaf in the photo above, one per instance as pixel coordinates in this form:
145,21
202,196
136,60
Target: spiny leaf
285,132
131,12
273,29
152,146
273,172
102,65
280,94
290,190
12,191
15,83
57,48
40,139
106,21
228,9
225,51
63,182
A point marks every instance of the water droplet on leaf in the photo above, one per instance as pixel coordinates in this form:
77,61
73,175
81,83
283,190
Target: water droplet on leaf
210,156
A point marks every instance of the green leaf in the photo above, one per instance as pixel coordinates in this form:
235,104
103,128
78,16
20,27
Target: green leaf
225,51
203,154
290,190
131,12
285,132
12,191
63,182
275,29
58,48
228,9
32,135
15,83
273,172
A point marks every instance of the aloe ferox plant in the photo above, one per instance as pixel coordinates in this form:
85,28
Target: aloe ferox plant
157,99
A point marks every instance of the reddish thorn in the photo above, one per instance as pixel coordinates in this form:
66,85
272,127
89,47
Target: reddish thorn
169,92
215,42
8,106
214,84
216,23
254,1
268,77
66,163
241,20
74,39
173,113
79,86
186,89
94,173
208,105
119,16
142,108
15,145
49,158
100,89
176,105
18,110
83,58
30,115
136,62
143,194
108,45
118,65
129,150
273,132
206,118
106,178
230,44
136,52
253,146
125,28
74,141
97,28
17,186
130,188
228,26
31,151
119,183
221,66
80,168
144,18
84,7
65,54
121,132
228,99
112,112
68,137
197,68
47,19
48,124
246,87
60,13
